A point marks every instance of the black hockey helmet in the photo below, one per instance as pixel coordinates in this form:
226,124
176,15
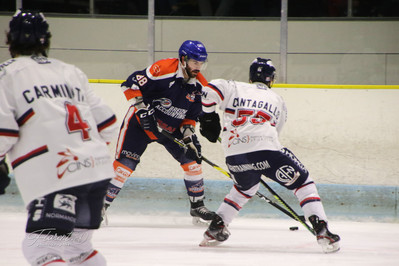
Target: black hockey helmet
262,70
29,33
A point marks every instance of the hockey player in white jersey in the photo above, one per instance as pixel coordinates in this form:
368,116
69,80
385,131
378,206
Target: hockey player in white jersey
254,115
55,131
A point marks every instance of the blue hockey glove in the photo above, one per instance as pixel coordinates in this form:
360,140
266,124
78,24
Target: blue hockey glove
193,150
147,119
210,126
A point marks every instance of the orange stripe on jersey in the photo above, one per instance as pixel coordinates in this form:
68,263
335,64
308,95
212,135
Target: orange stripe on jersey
130,94
163,68
202,79
150,135
148,132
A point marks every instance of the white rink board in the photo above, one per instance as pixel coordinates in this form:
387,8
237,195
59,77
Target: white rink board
343,136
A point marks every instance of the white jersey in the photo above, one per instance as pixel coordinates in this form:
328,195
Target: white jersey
52,126
253,115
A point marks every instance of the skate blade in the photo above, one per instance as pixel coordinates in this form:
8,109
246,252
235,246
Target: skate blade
209,243
199,222
328,247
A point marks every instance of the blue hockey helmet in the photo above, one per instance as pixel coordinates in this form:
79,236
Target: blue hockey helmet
262,70
28,32
193,50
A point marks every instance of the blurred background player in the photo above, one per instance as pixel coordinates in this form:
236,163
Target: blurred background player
55,131
255,111
165,95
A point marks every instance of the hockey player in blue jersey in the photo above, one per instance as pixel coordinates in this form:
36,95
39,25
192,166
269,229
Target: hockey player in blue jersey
165,95
254,116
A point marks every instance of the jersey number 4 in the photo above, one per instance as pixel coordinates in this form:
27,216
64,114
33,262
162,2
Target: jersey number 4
75,123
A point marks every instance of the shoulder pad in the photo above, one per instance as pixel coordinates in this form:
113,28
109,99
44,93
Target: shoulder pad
163,67
4,65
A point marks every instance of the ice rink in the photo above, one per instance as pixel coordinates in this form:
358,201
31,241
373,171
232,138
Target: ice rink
173,240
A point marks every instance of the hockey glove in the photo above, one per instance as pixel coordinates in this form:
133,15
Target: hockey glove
210,126
147,119
193,149
4,179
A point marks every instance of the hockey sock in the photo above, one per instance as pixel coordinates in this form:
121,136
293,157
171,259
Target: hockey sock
195,189
81,251
309,200
234,201
194,181
122,173
40,249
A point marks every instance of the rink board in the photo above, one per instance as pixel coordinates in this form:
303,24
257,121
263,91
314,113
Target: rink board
153,196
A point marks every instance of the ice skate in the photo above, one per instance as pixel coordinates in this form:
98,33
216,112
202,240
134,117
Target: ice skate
4,182
199,222
200,213
216,233
327,240
4,178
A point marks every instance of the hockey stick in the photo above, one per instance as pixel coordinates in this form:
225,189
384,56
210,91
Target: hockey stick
288,211
260,195
300,219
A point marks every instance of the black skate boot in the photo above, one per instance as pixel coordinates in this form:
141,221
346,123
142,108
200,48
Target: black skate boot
4,178
216,233
4,182
327,240
199,210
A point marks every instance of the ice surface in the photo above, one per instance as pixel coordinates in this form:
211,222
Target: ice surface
173,240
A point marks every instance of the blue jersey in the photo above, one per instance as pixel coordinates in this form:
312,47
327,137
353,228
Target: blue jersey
162,85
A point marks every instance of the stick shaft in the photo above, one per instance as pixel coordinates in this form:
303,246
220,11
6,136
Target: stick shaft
260,195
286,210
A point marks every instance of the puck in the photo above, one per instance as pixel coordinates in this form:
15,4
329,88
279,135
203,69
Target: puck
294,228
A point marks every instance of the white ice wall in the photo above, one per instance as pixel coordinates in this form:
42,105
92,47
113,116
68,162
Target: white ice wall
343,136
319,52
